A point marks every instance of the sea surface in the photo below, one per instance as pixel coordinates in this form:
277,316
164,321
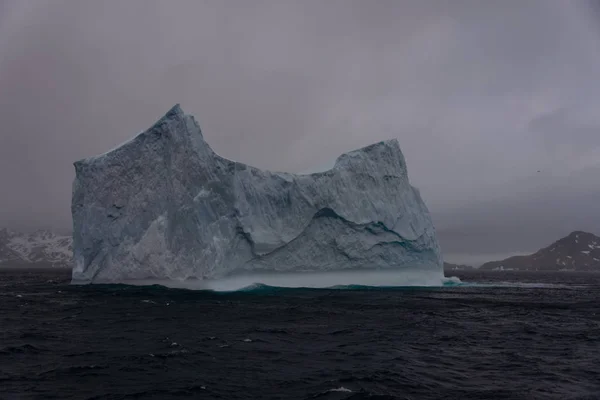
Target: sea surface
498,335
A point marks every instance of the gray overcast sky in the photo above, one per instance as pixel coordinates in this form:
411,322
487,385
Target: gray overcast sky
480,94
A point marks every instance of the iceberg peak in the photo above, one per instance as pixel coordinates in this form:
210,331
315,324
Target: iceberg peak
175,112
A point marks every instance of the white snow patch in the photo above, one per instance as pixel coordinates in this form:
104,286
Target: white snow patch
587,252
40,246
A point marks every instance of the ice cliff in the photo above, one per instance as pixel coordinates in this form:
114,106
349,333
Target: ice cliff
165,206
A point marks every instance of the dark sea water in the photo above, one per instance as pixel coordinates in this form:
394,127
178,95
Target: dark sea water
497,336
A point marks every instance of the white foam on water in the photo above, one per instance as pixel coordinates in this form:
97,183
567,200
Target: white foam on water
451,280
340,389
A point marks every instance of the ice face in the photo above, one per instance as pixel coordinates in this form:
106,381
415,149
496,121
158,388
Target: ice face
165,206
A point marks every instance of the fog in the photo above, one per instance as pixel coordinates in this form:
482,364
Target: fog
494,103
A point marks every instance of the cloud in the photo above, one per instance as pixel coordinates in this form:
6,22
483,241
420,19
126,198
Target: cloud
571,137
480,96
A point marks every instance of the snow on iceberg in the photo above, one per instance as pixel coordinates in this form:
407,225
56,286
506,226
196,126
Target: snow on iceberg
164,206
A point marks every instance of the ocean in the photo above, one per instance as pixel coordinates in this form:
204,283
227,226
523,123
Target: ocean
496,335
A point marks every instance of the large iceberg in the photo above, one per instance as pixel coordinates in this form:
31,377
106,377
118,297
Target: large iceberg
165,206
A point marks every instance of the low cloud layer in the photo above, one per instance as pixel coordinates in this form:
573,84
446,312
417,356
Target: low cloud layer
494,104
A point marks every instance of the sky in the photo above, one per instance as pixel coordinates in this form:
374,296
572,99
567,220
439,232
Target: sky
495,104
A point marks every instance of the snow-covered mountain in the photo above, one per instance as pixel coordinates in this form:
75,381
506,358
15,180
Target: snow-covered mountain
579,251
40,248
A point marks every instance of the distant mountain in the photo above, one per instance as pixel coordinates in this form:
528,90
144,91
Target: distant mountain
41,248
580,251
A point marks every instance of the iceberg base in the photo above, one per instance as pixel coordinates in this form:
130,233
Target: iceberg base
329,279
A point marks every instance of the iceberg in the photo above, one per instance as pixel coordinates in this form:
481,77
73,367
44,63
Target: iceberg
165,206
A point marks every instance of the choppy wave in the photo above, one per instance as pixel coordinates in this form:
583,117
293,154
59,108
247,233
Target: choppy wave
354,281
260,287
381,281
480,338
